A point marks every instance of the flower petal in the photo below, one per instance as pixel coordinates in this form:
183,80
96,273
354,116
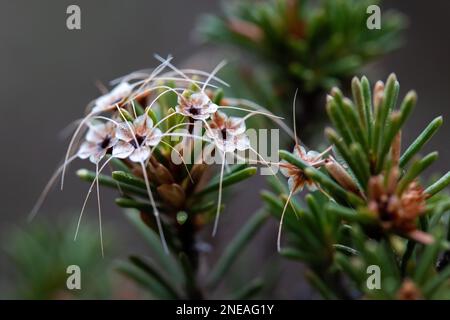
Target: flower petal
284,168
96,133
154,138
211,108
142,125
122,150
140,154
236,125
199,99
121,91
242,142
218,120
86,150
97,156
123,132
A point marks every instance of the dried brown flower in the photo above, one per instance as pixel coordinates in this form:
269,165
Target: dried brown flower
398,212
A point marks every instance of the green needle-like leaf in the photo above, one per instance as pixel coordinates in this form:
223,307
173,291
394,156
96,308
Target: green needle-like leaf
386,143
143,279
349,214
345,153
249,291
229,180
437,281
236,247
339,121
357,92
356,128
426,135
417,168
426,262
407,106
189,275
119,164
321,286
151,270
110,182
276,207
291,158
438,185
295,254
390,97
129,179
345,249
368,107
321,178
333,187
130,203
152,239
361,162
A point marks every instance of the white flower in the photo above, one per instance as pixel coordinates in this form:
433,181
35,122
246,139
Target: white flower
116,95
99,139
197,106
296,177
228,132
136,139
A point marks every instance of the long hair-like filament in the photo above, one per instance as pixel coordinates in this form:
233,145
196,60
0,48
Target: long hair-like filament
47,188
252,105
213,73
155,209
93,183
158,57
281,221
100,229
269,115
219,200
71,143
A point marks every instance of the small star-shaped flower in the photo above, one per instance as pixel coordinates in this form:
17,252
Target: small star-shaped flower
228,132
136,139
197,105
99,139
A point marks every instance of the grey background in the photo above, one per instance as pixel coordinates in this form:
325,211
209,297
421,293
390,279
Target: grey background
48,73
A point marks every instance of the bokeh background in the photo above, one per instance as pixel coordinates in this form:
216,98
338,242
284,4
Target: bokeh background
48,74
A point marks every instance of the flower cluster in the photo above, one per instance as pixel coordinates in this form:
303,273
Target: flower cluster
139,126
133,139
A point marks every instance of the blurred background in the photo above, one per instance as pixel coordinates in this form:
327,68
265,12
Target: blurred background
49,74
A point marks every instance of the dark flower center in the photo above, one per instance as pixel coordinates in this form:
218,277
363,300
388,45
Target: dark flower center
194,111
139,139
224,133
105,143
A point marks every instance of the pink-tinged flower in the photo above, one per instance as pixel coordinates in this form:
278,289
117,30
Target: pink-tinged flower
228,133
116,95
296,177
197,106
136,139
99,140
